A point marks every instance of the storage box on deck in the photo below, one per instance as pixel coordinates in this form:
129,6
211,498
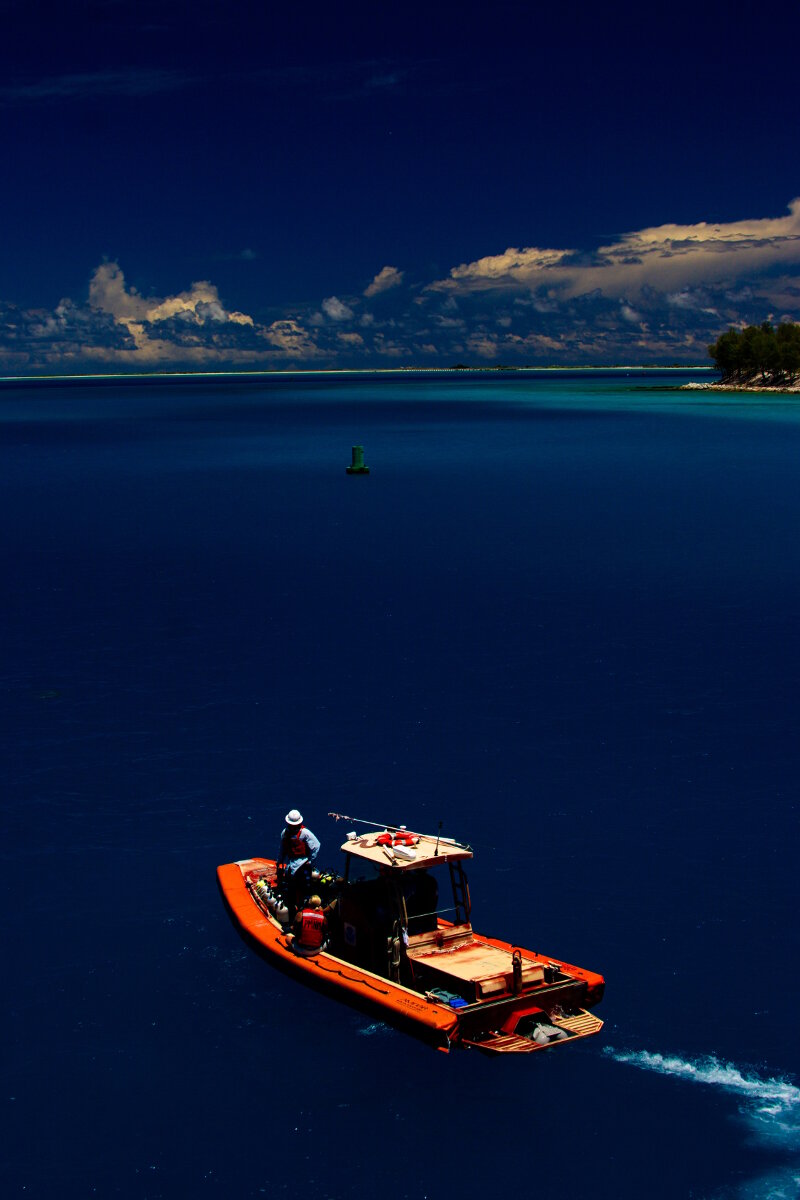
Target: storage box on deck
495,985
470,966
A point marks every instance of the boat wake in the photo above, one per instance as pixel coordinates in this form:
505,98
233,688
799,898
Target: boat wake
375,1029
769,1106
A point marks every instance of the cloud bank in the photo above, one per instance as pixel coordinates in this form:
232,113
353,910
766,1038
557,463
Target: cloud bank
662,258
133,83
658,294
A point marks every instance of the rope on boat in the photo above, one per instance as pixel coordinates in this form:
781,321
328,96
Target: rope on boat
337,971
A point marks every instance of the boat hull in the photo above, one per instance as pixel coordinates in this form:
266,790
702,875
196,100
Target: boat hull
490,1027
325,971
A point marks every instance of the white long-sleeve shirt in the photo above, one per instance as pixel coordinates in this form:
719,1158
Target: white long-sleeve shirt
286,857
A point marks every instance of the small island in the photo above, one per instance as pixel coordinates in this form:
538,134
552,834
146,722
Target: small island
757,358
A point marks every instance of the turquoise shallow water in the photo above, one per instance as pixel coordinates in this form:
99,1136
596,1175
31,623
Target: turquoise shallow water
559,616
615,389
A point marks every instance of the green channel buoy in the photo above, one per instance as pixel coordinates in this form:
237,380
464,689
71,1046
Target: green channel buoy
357,466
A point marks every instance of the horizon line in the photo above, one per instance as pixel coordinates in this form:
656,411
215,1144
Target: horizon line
344,371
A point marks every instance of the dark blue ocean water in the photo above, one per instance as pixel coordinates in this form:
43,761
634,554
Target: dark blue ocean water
562,616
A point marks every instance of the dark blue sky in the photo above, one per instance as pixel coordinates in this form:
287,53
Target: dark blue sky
283,160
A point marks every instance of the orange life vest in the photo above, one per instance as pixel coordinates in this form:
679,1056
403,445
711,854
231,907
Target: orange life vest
312,928
296,846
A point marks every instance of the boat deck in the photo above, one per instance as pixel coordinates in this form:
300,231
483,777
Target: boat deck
475,964
506,1010
578,1025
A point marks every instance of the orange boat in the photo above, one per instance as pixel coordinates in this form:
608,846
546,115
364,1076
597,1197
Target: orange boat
392,948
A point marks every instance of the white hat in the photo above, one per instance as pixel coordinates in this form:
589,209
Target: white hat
293,817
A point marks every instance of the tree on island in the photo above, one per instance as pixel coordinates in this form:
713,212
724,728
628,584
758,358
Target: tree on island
759,353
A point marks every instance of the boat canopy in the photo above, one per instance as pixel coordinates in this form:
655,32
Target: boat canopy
427,851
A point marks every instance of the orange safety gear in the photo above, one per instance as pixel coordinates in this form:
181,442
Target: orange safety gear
296,846
399,838
312,929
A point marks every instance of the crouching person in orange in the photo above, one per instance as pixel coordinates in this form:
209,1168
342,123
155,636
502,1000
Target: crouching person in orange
310,928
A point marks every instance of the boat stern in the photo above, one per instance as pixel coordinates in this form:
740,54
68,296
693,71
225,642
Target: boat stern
533,1028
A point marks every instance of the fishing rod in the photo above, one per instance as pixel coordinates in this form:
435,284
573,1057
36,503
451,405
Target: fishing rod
374,824
396,828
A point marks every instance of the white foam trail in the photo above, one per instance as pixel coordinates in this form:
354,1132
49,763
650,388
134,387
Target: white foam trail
779,1093
776,1185
771,1106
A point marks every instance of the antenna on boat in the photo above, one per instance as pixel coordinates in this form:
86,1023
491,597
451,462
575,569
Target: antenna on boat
438,835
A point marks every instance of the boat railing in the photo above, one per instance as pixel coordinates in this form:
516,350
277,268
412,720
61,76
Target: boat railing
436,912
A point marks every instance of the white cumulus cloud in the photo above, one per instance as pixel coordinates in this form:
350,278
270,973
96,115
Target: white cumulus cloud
667,258
201,303
387,277
290,338
334,308
659,293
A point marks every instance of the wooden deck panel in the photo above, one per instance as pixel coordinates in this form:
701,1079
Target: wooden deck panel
475,962
581,1025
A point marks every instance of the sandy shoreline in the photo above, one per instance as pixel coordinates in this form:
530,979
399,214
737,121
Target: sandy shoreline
785,389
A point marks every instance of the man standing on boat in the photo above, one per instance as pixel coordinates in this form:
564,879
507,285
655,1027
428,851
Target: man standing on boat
298,850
